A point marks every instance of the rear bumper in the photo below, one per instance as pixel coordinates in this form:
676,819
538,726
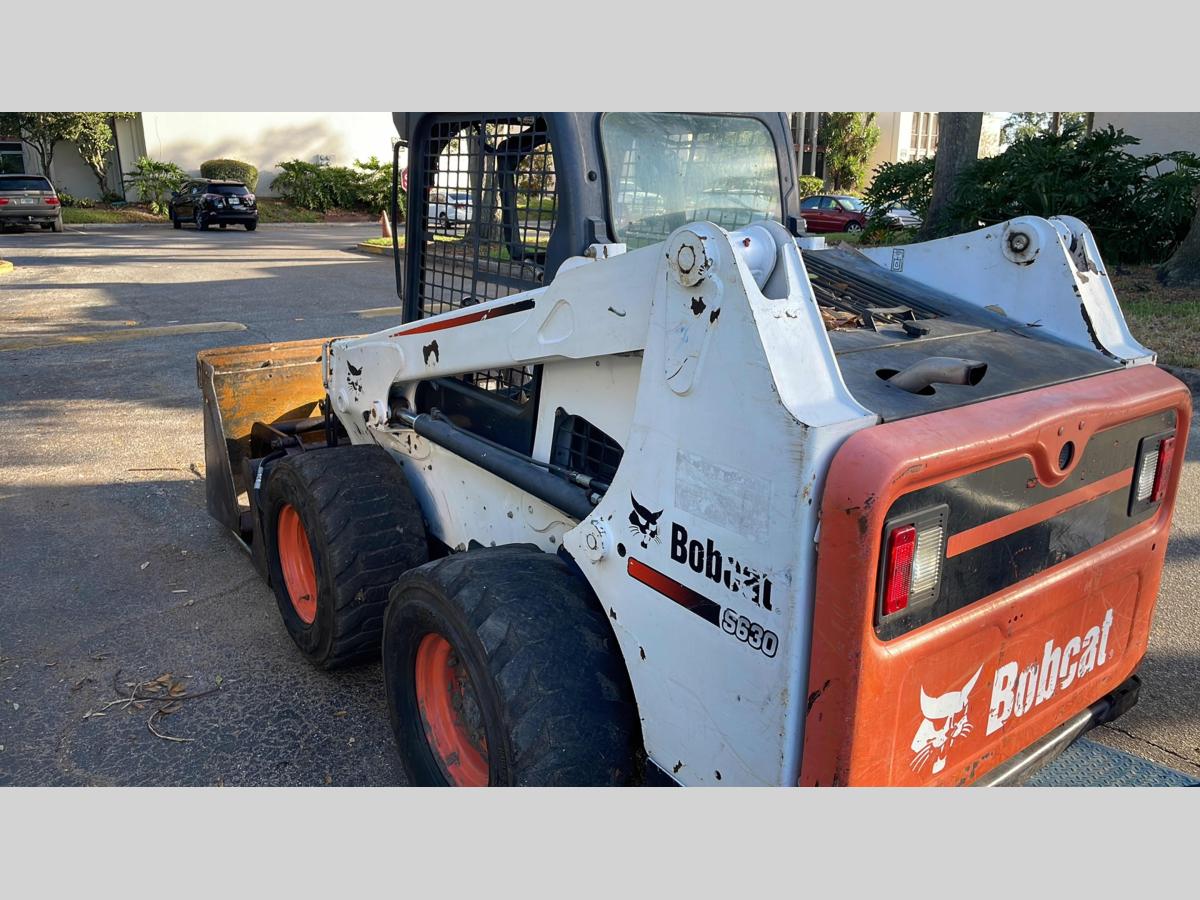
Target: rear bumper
1108,708
1046,610
229,217
23,214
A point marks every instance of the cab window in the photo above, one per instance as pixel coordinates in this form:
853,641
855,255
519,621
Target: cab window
668,169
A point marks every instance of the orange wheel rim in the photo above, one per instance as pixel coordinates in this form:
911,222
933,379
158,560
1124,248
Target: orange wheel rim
450,713
296,560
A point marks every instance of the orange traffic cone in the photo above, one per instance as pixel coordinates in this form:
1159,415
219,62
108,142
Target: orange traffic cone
384,225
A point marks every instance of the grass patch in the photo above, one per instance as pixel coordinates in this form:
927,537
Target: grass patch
894,238
107,215
271,210
381,242
841,237
1165,319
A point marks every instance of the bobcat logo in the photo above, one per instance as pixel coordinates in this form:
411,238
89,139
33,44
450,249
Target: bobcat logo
644,523
945,721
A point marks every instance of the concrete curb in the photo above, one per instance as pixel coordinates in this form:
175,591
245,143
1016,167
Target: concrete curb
373,248
5,267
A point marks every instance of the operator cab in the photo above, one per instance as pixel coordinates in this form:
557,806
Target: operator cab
538,188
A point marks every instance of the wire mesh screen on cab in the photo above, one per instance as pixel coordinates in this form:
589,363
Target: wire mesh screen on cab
487,212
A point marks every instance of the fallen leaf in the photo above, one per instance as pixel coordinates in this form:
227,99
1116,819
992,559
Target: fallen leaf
177,689
163,679
340,714
172,708
219,679
143,565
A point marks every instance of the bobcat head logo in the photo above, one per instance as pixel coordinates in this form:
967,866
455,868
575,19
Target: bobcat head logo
945,720
644,523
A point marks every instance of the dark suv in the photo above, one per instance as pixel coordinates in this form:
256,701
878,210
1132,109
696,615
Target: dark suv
209,202
29,200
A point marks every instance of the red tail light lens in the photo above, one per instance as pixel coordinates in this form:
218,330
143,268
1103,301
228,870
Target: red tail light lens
901,545
3,201
1162,472
53,201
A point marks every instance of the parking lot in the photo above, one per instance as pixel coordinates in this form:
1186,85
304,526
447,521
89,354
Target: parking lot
112,574
110,569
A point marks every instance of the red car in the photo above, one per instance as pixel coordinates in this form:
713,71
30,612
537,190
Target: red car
833,213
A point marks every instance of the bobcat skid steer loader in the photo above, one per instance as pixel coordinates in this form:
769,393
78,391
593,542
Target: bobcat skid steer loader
647,487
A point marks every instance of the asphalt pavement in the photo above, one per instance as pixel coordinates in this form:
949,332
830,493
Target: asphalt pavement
114,582
111,571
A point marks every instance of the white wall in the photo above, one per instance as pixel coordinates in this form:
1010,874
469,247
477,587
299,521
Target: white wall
264,139
1161,132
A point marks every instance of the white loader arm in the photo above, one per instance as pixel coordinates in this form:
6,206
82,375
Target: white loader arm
1041,272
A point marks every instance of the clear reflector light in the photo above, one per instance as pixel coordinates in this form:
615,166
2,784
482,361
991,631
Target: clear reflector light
927,561
1145,475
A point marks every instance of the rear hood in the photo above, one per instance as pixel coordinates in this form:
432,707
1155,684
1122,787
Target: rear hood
1017,355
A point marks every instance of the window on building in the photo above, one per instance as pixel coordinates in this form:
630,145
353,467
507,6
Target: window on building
12,160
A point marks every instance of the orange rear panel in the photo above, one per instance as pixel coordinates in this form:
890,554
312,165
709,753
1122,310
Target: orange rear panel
1039,636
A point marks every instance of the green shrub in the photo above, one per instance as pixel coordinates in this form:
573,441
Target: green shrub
154,181
367,186
72,202
231,170
1137,212
907,184
809,185
375,185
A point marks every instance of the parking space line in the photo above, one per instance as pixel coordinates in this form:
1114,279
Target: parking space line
38,341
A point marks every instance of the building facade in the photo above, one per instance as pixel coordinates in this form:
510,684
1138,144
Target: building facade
903,136
262,139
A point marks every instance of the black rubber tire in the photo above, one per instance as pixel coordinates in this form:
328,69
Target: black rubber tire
365,530
201,221
250,226
853,227
175,223
224,225
551,684
57,225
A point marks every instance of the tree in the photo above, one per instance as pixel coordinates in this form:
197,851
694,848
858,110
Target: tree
1184,265
849,139
958,147
40,130
94,140
1030,124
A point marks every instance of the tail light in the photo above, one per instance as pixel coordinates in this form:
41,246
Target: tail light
53,201
912,565
901,547
3,201
1152,474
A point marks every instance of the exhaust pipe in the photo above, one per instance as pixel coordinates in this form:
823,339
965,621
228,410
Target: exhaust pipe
918,377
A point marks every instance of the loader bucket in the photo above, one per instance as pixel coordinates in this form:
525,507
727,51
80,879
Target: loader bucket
269,383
